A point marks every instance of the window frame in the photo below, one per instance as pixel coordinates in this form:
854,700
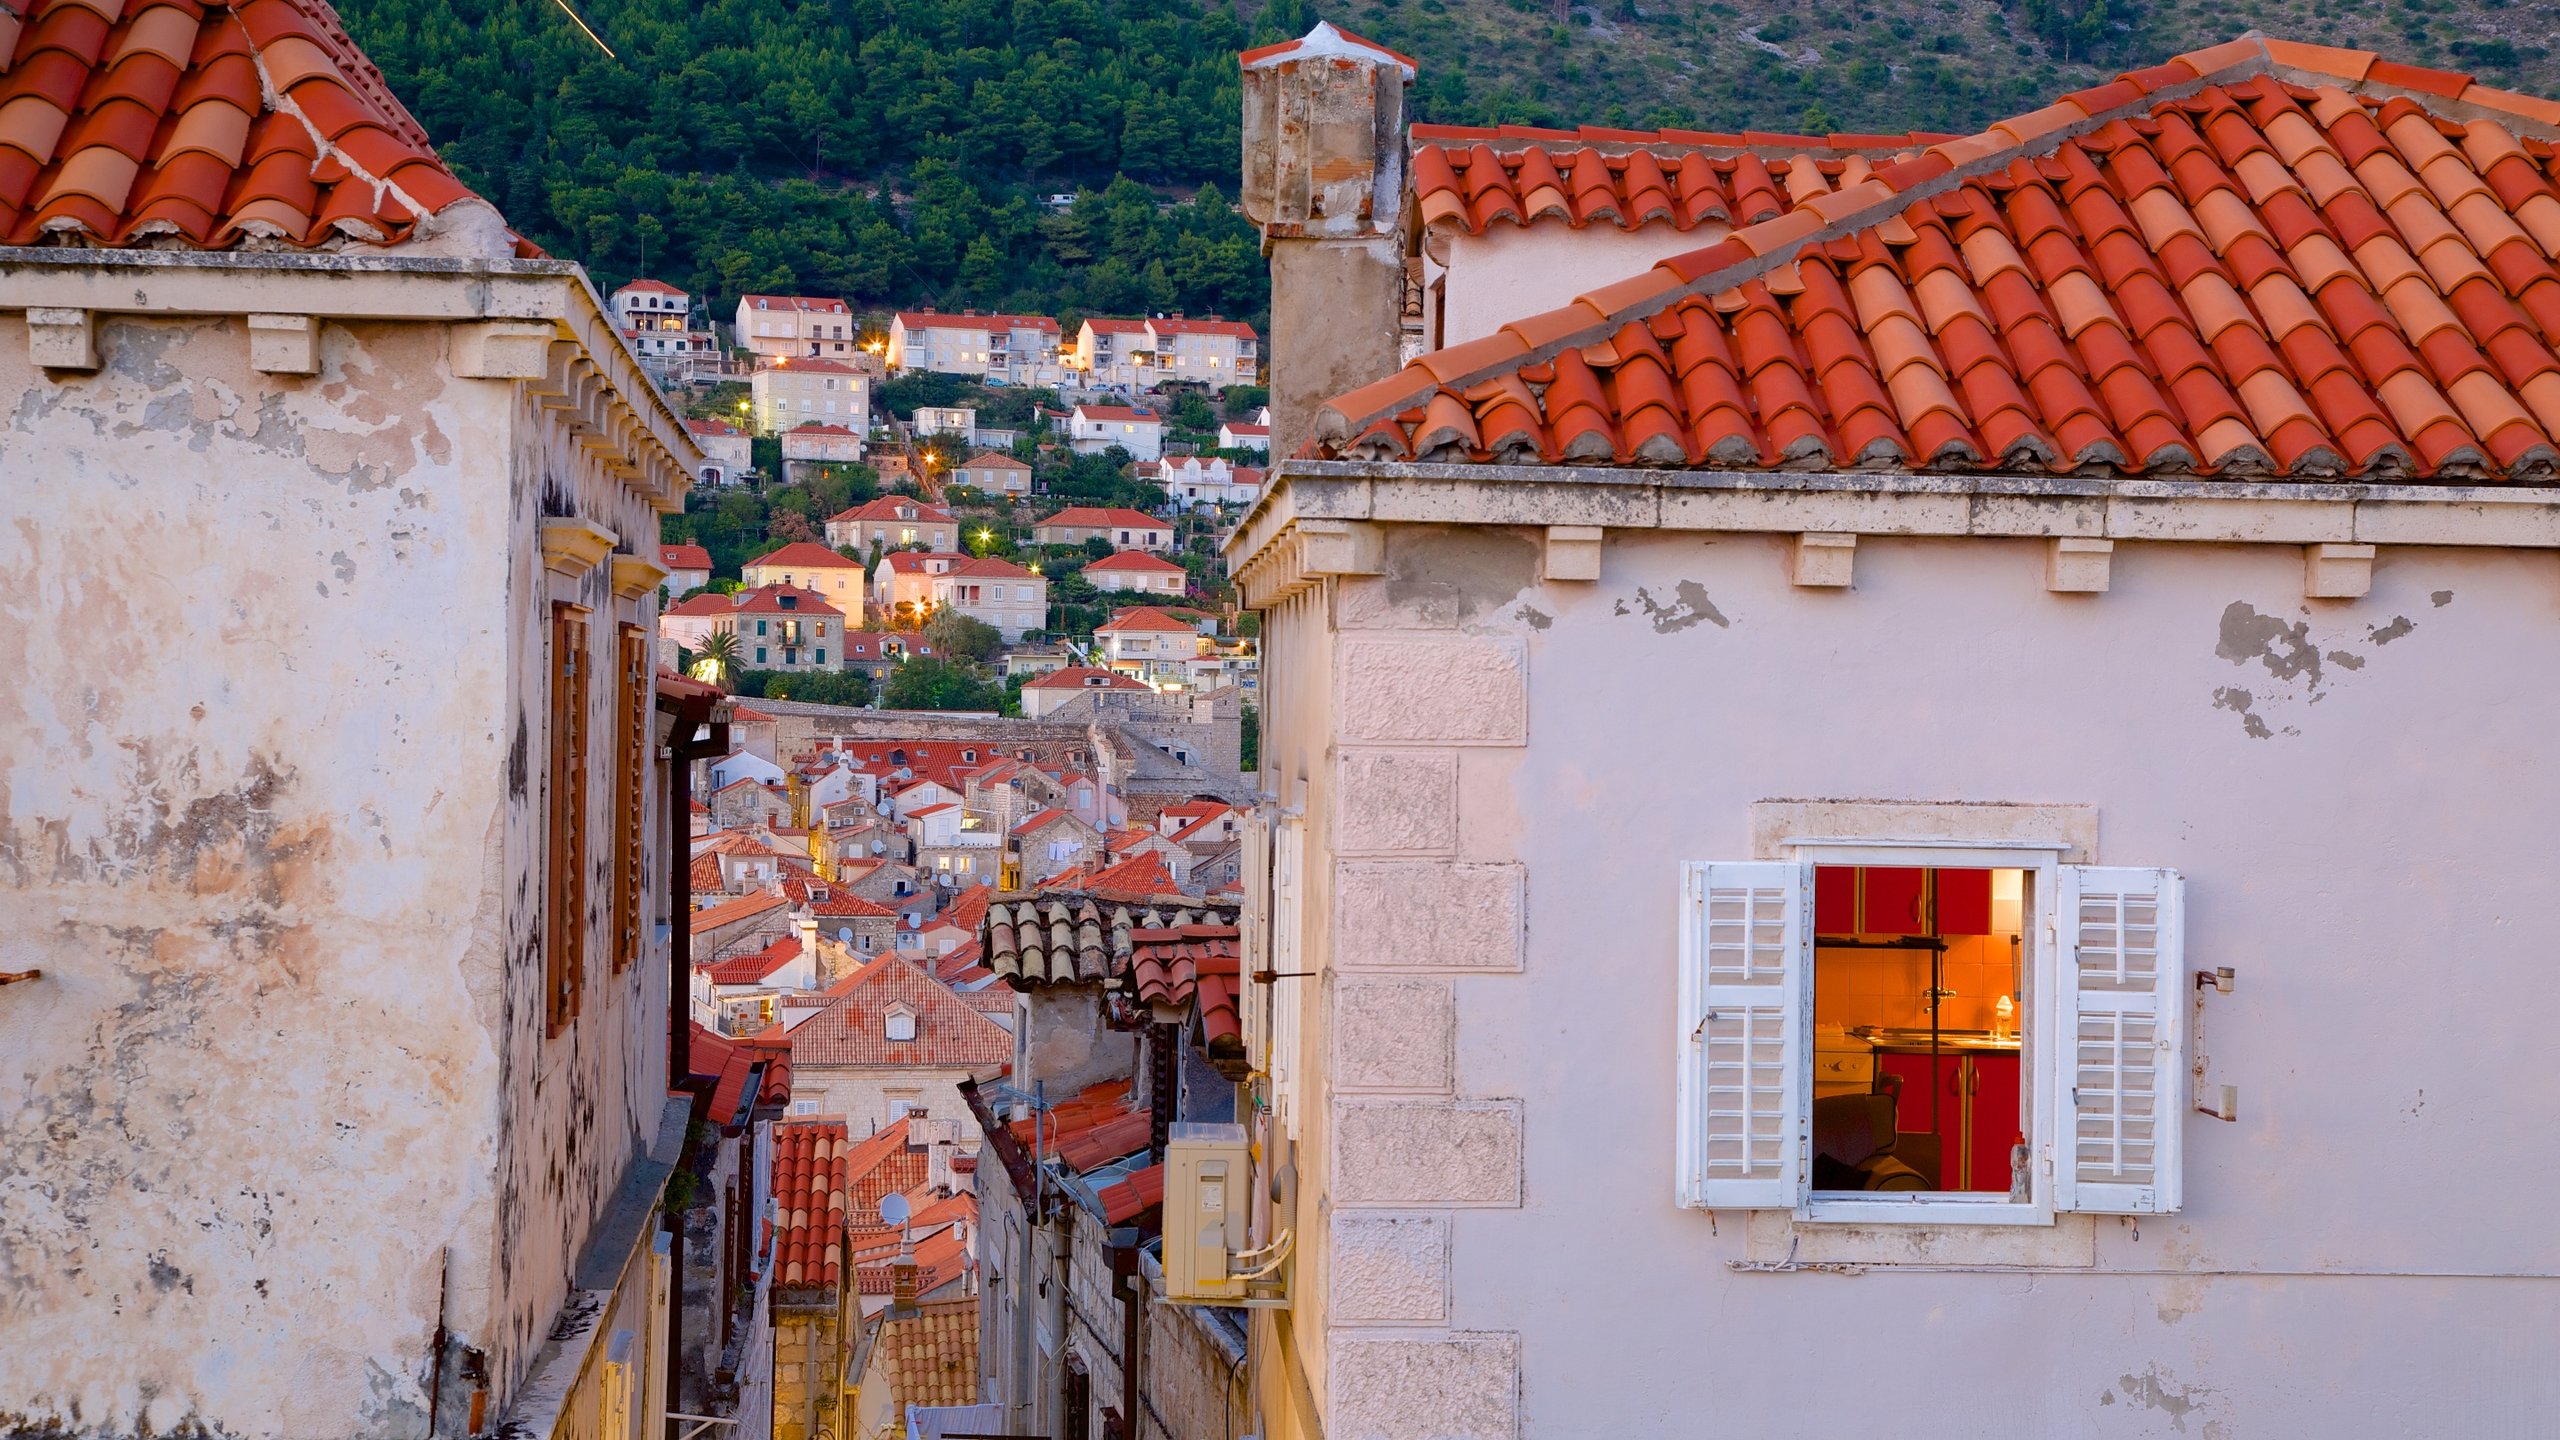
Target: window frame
632,770
569,666
2042,861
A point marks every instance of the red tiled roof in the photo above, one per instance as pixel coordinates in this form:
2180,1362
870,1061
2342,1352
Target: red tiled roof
810,1168
653,287
1135,560
746,907
725,1060
1235,429
751,969
741,715
940,1258
1194,962
822,898
1473,178
2260,259
1141,1191
970,910
886,509
687,557
1091,515
912,562
810,363
767,600
930,1357
1082,677
815,430
853,1031
971,320
1095,1105
793,302
213,124
1140,877
1114,412
698,604
1143,617
715,427
806,553
1235,328
1102,326
865,644
988,565
1115,1139
986,459
881,1165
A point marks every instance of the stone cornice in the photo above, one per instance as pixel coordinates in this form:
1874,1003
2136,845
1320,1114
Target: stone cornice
1270,550
72,287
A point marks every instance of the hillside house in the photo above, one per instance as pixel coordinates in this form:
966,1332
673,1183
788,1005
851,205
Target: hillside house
1148,643
959,422
2024,541
1114,355
994,349
1047,693
688,567
891,1042
1136,570
728,452
1195,484
784,627
656,319
808,448
834,577
1236,435
787,392
775,327
877,653
902,583
1117,525
995,592
1212,352
1093,429
993,473
894,522
267,840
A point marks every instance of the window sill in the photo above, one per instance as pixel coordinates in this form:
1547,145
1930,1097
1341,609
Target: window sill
1778,1237
1925,1208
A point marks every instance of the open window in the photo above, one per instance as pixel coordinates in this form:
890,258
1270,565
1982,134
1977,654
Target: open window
1931,1034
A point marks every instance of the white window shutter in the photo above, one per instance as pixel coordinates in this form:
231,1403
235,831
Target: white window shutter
1745,989
2118,1070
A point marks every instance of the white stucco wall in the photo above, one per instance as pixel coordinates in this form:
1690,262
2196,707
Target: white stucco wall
269,810
1509,272
2362,839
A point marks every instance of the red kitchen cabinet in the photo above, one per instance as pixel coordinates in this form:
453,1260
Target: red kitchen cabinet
1977,1110
1992,1119
1964,902
1835,899
1890,900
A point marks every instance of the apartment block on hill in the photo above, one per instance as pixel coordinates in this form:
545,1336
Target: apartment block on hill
773,327
1093,429
788,391
728,451
894,522
836,578
998,349
1118,525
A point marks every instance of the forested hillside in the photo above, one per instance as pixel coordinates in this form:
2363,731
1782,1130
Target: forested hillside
897,151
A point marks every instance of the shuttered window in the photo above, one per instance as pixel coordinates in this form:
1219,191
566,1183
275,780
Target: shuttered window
1743,1008
631,779
2108,1045
2120,1063
564,941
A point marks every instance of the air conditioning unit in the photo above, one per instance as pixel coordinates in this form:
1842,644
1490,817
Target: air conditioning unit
1209,1255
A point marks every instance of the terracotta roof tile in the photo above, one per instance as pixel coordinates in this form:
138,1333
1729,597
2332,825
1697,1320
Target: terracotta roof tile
2298,270
811,1164
930,1358
146,122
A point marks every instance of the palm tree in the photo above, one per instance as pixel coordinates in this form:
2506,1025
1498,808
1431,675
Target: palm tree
717,662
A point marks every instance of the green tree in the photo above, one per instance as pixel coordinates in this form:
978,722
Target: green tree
958,637
926,683
717,659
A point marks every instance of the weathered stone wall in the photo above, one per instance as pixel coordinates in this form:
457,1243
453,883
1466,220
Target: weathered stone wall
808,1368
270,772
861,1094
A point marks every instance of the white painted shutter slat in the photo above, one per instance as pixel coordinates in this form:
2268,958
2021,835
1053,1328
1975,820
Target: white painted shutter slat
1746,940
2120,1065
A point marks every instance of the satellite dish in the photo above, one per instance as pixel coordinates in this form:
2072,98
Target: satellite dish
844,934
893,1210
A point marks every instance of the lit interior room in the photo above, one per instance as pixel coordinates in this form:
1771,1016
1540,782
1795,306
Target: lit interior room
1919,998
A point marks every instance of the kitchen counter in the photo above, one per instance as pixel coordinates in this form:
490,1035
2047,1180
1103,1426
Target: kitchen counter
1905,1040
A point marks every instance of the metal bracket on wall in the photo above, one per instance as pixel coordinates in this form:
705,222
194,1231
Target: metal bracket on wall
2226,1098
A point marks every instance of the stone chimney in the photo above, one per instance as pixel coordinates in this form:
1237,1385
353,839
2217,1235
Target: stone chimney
902,1280
1324,176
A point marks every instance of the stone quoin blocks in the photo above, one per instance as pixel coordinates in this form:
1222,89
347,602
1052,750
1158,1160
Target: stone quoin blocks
1438,1153
1429,915
1397,801
1395,1035
1390,1269
1432,690
1460,1386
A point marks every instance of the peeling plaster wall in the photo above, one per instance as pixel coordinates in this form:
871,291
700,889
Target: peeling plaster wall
2346,785
269,778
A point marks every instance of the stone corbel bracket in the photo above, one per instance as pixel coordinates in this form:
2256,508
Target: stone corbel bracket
1304,552
571,548
634,577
